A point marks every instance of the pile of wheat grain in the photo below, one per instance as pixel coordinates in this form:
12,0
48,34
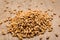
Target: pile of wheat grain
29,24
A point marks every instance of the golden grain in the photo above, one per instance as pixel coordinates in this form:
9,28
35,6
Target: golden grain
31,24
